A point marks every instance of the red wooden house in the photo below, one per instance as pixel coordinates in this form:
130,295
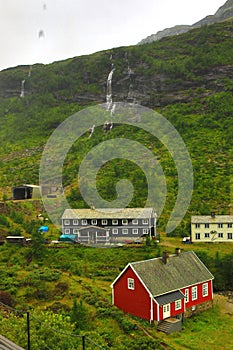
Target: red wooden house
173,286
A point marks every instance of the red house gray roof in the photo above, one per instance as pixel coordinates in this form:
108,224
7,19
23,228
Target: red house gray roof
179,272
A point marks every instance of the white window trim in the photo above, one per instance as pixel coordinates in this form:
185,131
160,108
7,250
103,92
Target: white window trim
229,235
124,222
178,304
145,221
84,222
130,282
66,222
104,222
75,222
114,222
125,231
135,231
145,231
135,221
75,231
186,295
115,231
194,293
67,231
205,290
94,221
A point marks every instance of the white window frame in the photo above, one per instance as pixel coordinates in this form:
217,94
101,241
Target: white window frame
207,225
75,222
75,231
66,222
207,235
114,222
84,222
135,221
125,231
67,231
197,236
130,283
205,289
194,293
197,225
135,231
220,225
145,231
145,221
229,235
94,221
115,231
124,221
178,304
104,222
220,235
229,225
186,295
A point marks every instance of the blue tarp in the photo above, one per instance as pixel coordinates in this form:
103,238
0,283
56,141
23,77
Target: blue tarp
67,238
43,229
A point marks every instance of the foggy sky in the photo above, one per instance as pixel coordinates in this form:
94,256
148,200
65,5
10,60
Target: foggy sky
36,31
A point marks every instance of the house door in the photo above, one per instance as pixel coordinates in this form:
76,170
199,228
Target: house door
166,311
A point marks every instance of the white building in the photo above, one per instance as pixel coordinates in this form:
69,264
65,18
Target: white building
212,228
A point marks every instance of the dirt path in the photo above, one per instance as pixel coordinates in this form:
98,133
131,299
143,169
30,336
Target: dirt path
226,306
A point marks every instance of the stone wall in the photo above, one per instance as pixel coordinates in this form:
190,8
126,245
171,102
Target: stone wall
197,309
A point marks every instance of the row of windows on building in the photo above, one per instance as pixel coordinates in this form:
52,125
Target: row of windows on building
229,235
84,222
218,225
115,231
194,293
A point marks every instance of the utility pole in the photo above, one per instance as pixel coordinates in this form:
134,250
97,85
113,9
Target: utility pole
28,330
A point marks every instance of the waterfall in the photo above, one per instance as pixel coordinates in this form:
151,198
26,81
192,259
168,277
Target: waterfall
109,90
22,89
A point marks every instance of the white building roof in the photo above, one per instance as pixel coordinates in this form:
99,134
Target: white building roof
208,219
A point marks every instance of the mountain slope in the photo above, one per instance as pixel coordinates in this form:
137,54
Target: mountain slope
188,80
223,13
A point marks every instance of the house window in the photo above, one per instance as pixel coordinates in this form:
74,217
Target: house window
207,225
75,222
66,222
135,231
229,225
115,231
94,222
124,222
194,293
115,222
135,221
186,295
207,235
220,235
178,304
205,289
145,222
84,222
67,231
145,231
125,231
229,235
197,225
75,231
198,236
131,283
104,222
220,225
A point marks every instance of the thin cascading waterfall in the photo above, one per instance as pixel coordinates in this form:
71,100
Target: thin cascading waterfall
22,89
109,89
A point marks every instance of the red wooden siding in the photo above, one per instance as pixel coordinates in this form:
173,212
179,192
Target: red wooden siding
200,299
136,302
